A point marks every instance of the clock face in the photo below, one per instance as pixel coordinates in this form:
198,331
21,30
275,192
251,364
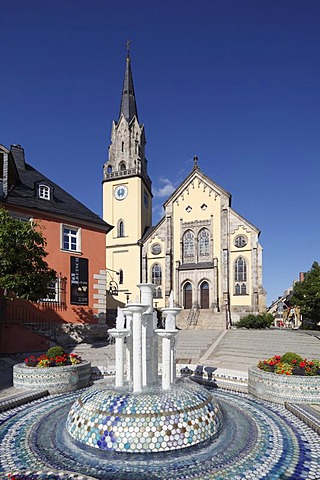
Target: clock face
121,192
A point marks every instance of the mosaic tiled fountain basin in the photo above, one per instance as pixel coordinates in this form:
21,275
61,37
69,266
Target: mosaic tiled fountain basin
283,388
153,421
52,379
257,441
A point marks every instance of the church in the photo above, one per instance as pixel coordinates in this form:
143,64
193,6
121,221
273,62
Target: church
202,249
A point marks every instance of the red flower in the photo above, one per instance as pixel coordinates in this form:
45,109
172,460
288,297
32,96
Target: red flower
302,364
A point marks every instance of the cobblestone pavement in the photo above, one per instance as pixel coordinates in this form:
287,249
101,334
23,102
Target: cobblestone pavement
230,350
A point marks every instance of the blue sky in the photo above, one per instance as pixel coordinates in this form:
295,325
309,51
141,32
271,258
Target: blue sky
235,82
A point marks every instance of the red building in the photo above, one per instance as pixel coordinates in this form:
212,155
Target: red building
76,246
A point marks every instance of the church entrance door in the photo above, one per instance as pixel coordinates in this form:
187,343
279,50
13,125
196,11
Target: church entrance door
187,296
204,295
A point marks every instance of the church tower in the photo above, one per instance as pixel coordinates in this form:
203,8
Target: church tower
127,197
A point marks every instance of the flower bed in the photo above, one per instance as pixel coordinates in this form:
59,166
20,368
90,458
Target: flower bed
283,388
286,378
290,364
56,371
55,380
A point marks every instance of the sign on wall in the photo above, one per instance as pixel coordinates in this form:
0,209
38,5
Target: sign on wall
79,281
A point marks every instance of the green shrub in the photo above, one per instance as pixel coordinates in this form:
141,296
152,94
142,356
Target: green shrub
289,356
55,351
263,320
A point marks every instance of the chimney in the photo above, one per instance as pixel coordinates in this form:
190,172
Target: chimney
18,156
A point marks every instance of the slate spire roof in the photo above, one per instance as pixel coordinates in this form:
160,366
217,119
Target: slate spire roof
128,102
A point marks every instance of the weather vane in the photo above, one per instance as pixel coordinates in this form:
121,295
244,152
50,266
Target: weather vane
128,46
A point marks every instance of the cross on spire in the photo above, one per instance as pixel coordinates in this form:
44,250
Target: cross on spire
128,47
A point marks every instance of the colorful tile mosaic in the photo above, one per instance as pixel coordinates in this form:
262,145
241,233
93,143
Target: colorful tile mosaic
156,421
258,440
283,388
54,379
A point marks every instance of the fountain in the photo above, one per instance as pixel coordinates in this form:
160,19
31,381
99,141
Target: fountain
150,426
141,415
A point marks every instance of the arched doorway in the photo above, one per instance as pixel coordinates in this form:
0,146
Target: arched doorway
204,295
187,290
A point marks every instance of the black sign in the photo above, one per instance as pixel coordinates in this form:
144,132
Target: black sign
79,281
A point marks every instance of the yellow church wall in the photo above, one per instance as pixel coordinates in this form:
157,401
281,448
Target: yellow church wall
126,259
195,199
246,253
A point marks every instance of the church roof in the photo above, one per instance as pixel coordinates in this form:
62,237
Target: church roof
23,193
128,102
197,172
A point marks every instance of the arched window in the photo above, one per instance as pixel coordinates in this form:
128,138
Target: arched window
44,192
109,169
121,228
203,243
120,277
188,246
122,166
240,271
122,146
240,276
156,274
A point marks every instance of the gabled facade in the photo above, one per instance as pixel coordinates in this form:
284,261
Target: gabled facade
202,249
75,244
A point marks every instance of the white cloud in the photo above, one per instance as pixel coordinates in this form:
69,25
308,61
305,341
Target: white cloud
157,213
165,190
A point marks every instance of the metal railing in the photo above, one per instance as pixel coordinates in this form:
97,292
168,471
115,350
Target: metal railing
29,317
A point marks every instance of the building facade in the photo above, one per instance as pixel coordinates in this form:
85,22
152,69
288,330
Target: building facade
75,239
202,249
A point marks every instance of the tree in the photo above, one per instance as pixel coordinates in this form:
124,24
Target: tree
23,270
306,295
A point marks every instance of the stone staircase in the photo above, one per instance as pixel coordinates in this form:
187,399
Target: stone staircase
206,320
192,344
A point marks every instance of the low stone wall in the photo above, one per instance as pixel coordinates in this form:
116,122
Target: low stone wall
283,388
52,379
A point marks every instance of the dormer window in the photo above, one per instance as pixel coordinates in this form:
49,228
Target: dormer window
44,192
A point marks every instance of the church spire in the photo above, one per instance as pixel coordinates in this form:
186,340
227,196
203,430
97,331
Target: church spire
128,102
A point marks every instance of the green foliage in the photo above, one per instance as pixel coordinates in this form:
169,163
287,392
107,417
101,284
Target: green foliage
289,356
263,320
306,295
55,351
23,270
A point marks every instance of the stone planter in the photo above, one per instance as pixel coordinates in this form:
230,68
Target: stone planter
52,379
283,388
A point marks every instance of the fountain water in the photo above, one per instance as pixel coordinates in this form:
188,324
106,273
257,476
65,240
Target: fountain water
140,415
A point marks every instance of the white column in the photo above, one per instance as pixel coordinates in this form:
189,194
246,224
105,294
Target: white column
170,314
166,356
146,294
119,351
128,346
137,310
